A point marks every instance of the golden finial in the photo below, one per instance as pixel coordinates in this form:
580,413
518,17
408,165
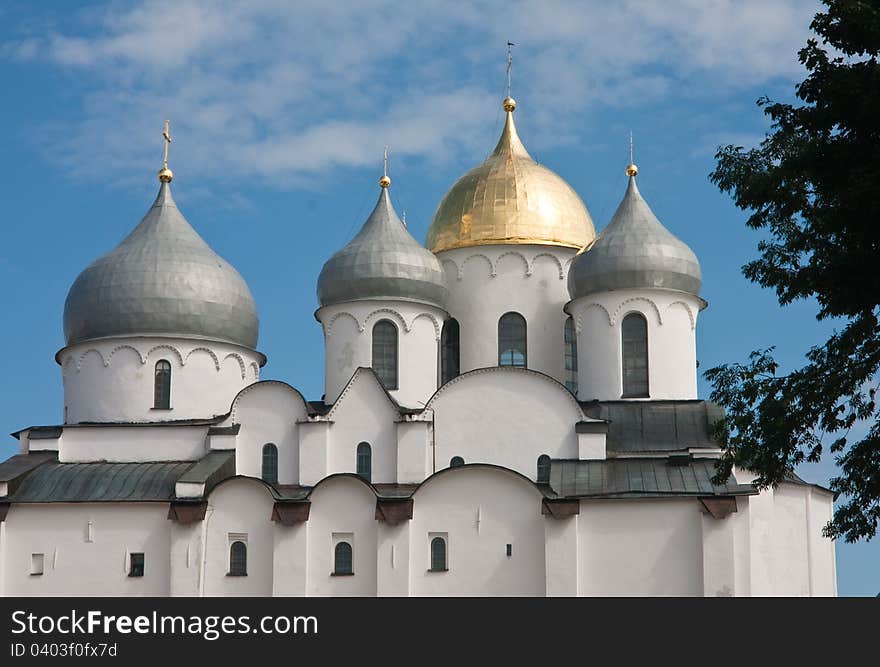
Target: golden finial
385,182
165,174
509,103
631,168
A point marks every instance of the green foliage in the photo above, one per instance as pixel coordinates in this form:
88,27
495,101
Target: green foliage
812,188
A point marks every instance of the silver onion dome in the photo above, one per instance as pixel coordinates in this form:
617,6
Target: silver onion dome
163,279
383,262
634,251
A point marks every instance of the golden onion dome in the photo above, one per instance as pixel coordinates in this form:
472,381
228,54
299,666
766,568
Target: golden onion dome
510,199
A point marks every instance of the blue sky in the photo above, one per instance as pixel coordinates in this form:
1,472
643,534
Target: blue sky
279,114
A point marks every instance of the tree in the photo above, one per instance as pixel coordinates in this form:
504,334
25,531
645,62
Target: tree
812,188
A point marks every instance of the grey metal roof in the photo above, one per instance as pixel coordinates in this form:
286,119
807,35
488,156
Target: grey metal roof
638,426
21,464
162,279
639,478
634,251
211,469
100,482
383,261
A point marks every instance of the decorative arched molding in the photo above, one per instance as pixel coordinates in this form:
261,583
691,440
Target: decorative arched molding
452,269
492,273
634,299
328,327
691,316
438,326
579,322
233,412
389,311
68,361
210,352
237,357
116,349
173,349
512,253
256,368
79,361
552,257
511,369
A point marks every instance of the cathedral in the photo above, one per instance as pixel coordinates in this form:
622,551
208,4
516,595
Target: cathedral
509,409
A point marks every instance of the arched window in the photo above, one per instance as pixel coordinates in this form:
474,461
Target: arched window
456,462
238,559
438,555
634,332
570,344
162,385
543,469
512,340
342,561
364,460
385,353
270,463
450,356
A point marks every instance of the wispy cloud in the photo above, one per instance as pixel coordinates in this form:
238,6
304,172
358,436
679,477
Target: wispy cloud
287,90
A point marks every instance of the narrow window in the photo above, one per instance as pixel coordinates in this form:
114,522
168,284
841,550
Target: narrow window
342,559
450,356
456,462
438,555
634,332
37,565
270,463
512,340
385,353
136,565
364,461
571,356
543,469
238,559
162,386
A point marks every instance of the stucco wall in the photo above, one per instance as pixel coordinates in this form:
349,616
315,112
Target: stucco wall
640,547
672,364
505,416
487,281
348,344
112,380
75,566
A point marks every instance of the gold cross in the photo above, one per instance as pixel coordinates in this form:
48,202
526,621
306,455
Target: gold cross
510,46
167,136
385,162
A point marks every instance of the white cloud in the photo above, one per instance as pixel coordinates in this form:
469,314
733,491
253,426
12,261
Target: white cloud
285,90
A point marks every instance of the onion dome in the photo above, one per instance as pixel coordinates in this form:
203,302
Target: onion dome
383,262
510,199
163,279
634,251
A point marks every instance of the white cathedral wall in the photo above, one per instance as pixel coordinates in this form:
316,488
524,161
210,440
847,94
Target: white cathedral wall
479,511
672,361
485,282
640,548
363,414
268,412
343,509
76,565
348,344
112,379
131,444
788,554
504,416
239,509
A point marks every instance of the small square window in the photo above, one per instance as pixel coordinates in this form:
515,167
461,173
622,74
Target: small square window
136,567
37,565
